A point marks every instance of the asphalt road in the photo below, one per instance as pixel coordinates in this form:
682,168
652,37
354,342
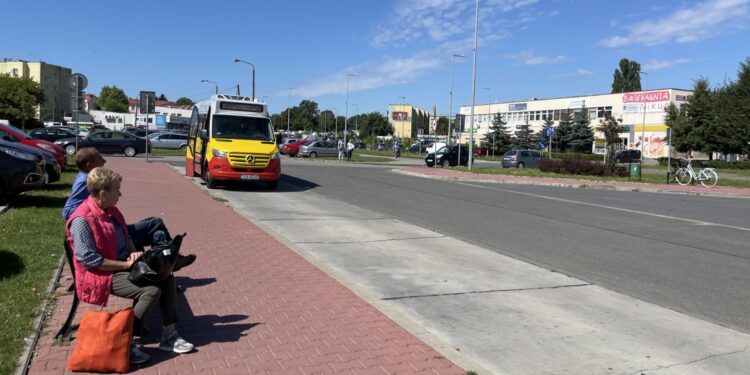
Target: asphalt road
685,253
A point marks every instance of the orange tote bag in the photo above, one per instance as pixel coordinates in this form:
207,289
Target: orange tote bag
103,342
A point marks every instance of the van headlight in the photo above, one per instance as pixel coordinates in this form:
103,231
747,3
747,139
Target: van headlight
275,156
18,153
219,153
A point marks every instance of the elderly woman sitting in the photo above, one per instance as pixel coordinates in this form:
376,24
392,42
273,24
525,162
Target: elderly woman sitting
104,255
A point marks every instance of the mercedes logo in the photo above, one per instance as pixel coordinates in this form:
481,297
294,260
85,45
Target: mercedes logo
249,158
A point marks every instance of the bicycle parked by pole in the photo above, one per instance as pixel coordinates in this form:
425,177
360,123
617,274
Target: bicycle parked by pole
686,174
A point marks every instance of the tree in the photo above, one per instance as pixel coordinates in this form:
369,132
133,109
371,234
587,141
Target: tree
162,97
628,77
676,119
112,99
581,136
526,137
442,126
184,101
19,100
564,132
374,124
726,132
742,93
611,130
498,137
699,116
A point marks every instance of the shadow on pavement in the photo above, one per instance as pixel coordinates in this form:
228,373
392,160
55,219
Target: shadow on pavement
286,184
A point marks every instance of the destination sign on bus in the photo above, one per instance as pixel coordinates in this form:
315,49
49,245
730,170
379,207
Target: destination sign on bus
242,107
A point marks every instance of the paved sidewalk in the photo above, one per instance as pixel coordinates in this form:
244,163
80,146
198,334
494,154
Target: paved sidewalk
251,305
450,174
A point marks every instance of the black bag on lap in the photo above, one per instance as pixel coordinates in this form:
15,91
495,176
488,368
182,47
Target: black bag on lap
155,265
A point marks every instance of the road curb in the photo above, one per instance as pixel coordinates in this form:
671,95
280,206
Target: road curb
580,185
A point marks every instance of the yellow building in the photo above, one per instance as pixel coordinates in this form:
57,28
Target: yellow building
408,121
53,80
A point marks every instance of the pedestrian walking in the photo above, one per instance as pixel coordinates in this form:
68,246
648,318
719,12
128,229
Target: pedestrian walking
397,150
349,150
340,147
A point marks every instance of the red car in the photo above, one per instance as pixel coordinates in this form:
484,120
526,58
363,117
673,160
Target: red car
480,151
11,133
292,149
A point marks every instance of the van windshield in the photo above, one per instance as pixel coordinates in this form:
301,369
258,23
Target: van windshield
236,127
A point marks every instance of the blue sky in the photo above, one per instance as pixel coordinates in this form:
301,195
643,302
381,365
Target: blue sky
398,48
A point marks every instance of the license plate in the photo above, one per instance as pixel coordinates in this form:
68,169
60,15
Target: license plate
249,177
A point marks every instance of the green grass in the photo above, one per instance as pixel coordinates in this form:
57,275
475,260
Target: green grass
31,235
649,178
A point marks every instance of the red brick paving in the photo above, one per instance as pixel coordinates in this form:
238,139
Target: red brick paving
251,305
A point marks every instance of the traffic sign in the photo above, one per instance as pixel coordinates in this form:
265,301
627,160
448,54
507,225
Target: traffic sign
78,82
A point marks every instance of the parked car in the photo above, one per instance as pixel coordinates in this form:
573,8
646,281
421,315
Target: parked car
287,141
175,141
52,133
418,147
360,145
292,149
381,147
81,130
21,168
13,134
479,151
628,156
447,154
138,132
318,148
521,158
434,147
107,142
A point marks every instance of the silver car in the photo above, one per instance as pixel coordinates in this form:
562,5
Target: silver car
175,141
318,148
521,158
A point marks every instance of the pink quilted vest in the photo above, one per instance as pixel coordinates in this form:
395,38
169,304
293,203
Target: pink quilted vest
92,285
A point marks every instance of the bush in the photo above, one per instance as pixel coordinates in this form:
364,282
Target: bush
579,166
572,155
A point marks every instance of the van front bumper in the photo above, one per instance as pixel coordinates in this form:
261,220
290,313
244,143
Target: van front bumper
221,169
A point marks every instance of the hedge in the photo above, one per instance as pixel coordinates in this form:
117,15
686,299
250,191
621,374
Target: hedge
577,165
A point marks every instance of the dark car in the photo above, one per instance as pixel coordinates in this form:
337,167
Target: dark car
418,148
21,168
107,142
628,156
521,159
52,134
360,145
138,132
447,154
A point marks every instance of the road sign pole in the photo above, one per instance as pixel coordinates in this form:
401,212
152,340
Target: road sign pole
147,111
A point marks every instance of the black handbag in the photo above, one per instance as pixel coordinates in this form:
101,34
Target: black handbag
156,264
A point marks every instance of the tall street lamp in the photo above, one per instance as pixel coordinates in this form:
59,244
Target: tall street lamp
450,107
473,87
289,110
346,111
207,81
253,65
643,126
356,117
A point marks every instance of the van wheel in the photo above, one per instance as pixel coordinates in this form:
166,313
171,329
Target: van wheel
70,149
129,151
272,185
520,166
210,182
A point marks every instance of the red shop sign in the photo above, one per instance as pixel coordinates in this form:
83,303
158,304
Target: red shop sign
641,97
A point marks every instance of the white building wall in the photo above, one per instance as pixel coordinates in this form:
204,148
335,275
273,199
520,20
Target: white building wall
632,110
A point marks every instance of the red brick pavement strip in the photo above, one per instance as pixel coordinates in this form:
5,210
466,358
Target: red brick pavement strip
250,305
449,174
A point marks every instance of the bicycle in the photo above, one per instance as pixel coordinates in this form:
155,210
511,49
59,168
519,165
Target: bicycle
706,176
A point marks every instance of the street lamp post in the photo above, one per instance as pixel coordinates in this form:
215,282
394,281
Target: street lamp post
643,126
289,110
346,111
473,87
356,117
253,65
207,81
450,106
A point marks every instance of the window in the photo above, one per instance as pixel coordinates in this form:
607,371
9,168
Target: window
556,115
117,136
14,72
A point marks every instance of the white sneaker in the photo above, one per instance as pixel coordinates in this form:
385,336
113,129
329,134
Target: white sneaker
174,343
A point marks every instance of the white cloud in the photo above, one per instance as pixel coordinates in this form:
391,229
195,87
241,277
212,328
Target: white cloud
654,65
578,73
703,21
529,58
440,20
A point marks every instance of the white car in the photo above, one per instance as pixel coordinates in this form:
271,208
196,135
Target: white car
434,147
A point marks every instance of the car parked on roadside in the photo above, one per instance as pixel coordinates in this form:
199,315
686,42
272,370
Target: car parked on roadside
318,148
521,159
138,132
52,133
292,149
13,134
22,168
174,141
418,147
628,156
107,142
448,155
287,141
434,147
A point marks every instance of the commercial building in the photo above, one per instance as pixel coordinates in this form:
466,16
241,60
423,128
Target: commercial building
640,113
167,116
408,121
52,79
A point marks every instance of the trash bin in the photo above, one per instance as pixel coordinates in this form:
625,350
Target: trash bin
635,170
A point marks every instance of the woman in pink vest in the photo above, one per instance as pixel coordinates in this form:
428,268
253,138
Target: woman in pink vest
104,255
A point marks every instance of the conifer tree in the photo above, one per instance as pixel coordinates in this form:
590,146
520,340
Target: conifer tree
498,136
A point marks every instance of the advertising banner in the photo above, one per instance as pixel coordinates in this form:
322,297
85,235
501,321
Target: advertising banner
400,116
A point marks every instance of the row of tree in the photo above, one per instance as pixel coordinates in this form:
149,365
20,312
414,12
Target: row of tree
572,133
714,120
307,117
19,99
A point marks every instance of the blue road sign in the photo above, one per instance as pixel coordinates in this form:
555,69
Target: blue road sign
161,121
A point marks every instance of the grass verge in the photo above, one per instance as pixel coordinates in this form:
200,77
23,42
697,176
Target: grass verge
31,234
